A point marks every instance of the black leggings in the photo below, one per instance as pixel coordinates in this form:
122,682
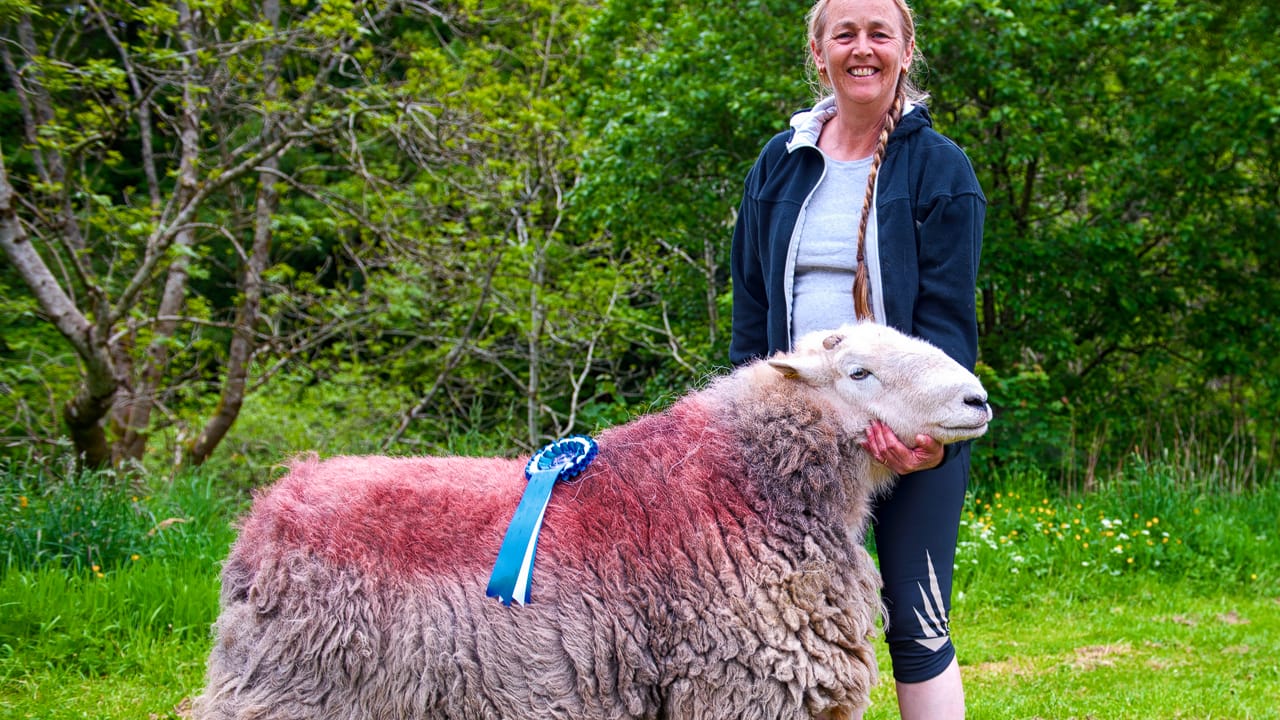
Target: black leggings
915,534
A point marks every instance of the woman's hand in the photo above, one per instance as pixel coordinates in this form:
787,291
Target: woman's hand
889,451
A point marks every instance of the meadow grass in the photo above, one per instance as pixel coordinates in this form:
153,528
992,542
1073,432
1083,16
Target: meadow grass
107,590
1150,597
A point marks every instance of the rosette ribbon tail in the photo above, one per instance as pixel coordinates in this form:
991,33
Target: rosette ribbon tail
513,572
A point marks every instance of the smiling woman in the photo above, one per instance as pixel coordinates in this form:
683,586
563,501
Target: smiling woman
860,210
861,49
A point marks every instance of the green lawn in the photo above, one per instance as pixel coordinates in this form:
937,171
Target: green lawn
1145,650
1143,600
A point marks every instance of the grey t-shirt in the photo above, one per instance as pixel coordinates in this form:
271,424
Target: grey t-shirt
827,252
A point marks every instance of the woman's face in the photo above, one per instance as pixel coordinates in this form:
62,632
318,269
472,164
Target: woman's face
862,49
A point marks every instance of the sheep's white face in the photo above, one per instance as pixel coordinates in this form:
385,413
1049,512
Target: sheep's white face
876,372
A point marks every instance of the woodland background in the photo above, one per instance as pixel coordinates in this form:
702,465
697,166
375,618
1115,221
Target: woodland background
237,229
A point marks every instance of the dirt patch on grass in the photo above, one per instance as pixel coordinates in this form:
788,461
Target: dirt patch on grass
1233,618
1087,658
1009,667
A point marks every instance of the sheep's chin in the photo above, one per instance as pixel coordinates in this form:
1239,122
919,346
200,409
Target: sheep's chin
955,433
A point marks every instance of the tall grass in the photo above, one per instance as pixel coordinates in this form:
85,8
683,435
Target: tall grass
106,576
1021,536
55,516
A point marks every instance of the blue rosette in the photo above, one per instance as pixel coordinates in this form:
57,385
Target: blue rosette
513,571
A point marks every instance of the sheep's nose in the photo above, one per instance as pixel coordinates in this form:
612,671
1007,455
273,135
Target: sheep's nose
977,401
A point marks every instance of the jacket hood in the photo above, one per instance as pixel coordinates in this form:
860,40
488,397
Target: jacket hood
806,125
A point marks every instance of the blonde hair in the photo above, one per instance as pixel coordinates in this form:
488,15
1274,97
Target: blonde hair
906,90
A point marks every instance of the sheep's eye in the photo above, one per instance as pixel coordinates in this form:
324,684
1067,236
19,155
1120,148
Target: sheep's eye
860,374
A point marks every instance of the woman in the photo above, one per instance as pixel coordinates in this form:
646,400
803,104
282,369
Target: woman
862,211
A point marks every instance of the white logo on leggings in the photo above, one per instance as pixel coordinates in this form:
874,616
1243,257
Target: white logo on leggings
933,623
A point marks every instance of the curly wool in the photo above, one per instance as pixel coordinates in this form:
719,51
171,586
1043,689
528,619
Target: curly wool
707,565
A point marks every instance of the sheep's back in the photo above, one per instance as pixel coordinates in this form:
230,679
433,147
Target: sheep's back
389,518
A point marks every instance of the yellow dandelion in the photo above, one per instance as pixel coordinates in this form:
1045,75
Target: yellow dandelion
135,557
1086,545
1130,561
1155,521
22,501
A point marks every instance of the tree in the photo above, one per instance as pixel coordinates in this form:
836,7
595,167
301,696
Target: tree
155,199
682,97
1128,259
526,334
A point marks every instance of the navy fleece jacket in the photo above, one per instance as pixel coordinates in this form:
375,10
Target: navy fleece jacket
929,212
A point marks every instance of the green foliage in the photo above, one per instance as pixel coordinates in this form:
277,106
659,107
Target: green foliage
35,365
512,222
1146,648
682,97
1126,249
108,589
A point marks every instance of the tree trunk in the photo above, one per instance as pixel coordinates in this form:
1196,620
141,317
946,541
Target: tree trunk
93,400
243,343
135,418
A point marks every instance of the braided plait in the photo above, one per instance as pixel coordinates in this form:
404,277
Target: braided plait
861,283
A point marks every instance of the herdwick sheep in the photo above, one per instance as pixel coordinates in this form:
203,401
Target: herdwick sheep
708,563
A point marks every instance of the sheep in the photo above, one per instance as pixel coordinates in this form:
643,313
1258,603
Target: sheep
708,564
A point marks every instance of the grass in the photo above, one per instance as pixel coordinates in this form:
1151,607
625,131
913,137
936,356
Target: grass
1148,598
130,644
1138,649
107,591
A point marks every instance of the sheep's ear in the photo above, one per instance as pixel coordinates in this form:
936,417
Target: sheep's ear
806,366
